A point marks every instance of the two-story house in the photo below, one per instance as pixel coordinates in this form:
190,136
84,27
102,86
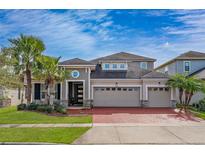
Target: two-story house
191,63
117,80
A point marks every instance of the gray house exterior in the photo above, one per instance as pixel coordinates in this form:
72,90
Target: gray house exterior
191,63
117,80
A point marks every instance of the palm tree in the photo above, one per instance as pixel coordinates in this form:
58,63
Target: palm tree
187,86
24,50
47,69
192,86
178,81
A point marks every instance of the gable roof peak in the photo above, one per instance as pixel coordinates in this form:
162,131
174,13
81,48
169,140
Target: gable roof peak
123,56
75,61
189,55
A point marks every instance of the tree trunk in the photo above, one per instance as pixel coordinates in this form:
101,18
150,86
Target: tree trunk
51,93
29,85
48,94
180,98
22,95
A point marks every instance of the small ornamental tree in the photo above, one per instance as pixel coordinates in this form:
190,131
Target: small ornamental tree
47,69
187,87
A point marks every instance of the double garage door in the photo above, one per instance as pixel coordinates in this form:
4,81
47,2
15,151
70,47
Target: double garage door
116,97
130,97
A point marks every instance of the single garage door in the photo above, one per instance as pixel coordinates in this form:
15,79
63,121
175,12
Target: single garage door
159,97
117,97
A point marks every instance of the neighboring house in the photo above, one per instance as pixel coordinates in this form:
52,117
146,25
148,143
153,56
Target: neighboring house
13,94
118,80
191,63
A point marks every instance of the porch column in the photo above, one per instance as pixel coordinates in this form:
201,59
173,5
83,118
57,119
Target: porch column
88,83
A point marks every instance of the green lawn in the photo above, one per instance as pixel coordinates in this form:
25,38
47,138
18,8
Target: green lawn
10,115
199,114
49,135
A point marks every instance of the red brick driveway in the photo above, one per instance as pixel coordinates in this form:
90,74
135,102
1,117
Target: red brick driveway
142,116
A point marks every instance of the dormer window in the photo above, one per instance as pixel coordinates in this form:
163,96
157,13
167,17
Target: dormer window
143,65
187,66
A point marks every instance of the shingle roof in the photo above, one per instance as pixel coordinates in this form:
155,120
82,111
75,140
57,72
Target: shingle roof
76,61
192,55
126,74
123,56
185,56
154,74
198,71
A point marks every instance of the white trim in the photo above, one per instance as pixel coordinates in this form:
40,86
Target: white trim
184,66
74,81
147,86
77,65
155,79
111,85
152,79
116,79
111,66
88,83
38,82
141,65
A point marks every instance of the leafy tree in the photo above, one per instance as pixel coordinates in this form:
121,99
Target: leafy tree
47,69
187,87
24,50
8,79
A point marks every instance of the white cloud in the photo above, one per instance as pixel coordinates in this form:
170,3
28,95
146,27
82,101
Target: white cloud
92,33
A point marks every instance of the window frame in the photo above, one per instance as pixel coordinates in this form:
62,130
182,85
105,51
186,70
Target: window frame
141,65
114,68
184,66
104,66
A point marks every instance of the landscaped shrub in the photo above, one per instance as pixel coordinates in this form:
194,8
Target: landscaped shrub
197,106
45,108
21,107
178,105
202,105
32,106
60,108
49,108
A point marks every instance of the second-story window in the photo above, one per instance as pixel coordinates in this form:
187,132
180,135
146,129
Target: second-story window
143,65
122,66
187,66
114,66
166,69
107,66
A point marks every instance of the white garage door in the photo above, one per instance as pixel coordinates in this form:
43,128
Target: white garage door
117,97
159,97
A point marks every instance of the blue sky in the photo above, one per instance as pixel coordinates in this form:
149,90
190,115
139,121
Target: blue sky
87,34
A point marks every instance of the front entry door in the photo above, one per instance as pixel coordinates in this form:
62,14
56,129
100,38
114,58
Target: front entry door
78,93
75,93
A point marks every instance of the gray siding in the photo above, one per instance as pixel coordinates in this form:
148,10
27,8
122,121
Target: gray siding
83,76
195,65
150,65
172,68
178,66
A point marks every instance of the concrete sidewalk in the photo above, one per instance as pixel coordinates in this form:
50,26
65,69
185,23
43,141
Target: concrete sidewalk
143,135
44,125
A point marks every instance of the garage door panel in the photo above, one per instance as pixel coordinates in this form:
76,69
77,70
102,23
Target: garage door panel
116,97
159,97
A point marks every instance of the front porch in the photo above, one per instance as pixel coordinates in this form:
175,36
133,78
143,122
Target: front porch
70,93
